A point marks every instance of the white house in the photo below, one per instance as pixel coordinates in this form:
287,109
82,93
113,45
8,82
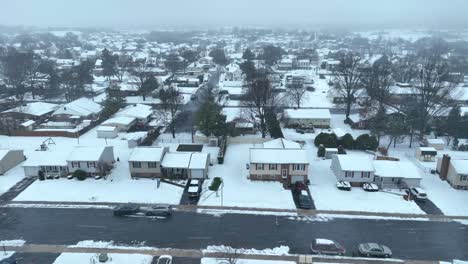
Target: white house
123,123
454,171
316,117
93,160
233,73
396,174
140,112
82,108
355,169
185,165
52,163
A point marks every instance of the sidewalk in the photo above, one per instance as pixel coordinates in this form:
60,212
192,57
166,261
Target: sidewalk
196,253
194,208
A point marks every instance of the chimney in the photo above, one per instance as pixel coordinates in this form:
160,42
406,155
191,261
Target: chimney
444,167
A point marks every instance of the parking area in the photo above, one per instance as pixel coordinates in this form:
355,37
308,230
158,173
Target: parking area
188,197
429,207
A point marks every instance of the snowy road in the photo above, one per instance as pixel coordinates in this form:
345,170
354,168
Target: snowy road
426,240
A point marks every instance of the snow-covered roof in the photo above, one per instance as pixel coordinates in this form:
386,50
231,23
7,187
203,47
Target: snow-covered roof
278,156
79,107
460,165
122,120
106,128
28,123
436,141
396,169
46,158
82,153
339,132
231,113
176,160
323,241
352,162
35,109
427,149
198,160
307,113
281,143
148,154
139,111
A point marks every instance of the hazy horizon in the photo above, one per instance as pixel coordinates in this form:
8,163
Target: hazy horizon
215,13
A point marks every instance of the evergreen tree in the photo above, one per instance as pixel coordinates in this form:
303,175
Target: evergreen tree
248,55
219,57
114,101
210,120
148,86
109,64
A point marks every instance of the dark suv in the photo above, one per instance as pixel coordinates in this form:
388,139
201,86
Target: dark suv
126,209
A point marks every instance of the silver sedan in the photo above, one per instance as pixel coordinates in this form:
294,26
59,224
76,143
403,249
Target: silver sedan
374,250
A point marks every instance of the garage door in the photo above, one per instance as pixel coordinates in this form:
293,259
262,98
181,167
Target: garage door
197,174
295,179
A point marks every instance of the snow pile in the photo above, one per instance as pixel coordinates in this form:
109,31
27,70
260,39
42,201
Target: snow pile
110,245
68,258
277,251
12,243
6,254
219,213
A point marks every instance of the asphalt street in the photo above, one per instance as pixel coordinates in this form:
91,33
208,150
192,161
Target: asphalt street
425,240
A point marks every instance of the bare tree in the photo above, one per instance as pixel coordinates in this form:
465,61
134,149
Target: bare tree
171,104
259,99
139,76
433,94
296,95
347,78
228,255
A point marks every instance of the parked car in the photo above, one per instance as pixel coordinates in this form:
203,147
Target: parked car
195,182
327,247
164,259
374,250
370,187
343,185
193,191
158,210
299,186
126,209
305,202
418,194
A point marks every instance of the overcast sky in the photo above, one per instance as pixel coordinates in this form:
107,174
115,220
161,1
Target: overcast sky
215,13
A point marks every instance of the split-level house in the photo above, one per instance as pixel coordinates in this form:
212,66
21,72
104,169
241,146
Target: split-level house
185,165
355,169
279,160
146,162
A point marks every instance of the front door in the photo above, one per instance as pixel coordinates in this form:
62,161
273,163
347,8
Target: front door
284,173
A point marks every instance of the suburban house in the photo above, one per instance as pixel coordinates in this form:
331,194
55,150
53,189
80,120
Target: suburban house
123,123
37,111
233,73
185,165
426,153
355,169
140,112
233,89
437,143
316,117
391,174
146,162
79,109
454,171
279,160
107,132
9,159
92,160
52,163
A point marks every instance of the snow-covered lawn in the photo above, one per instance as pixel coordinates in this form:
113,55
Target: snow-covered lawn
327,197
72,258
118,187
240,191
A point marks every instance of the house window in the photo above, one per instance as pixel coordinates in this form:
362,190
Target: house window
299,167
75,164
91,164
463,177
136,164
152,164
259,166
365,174
273,167
349,174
